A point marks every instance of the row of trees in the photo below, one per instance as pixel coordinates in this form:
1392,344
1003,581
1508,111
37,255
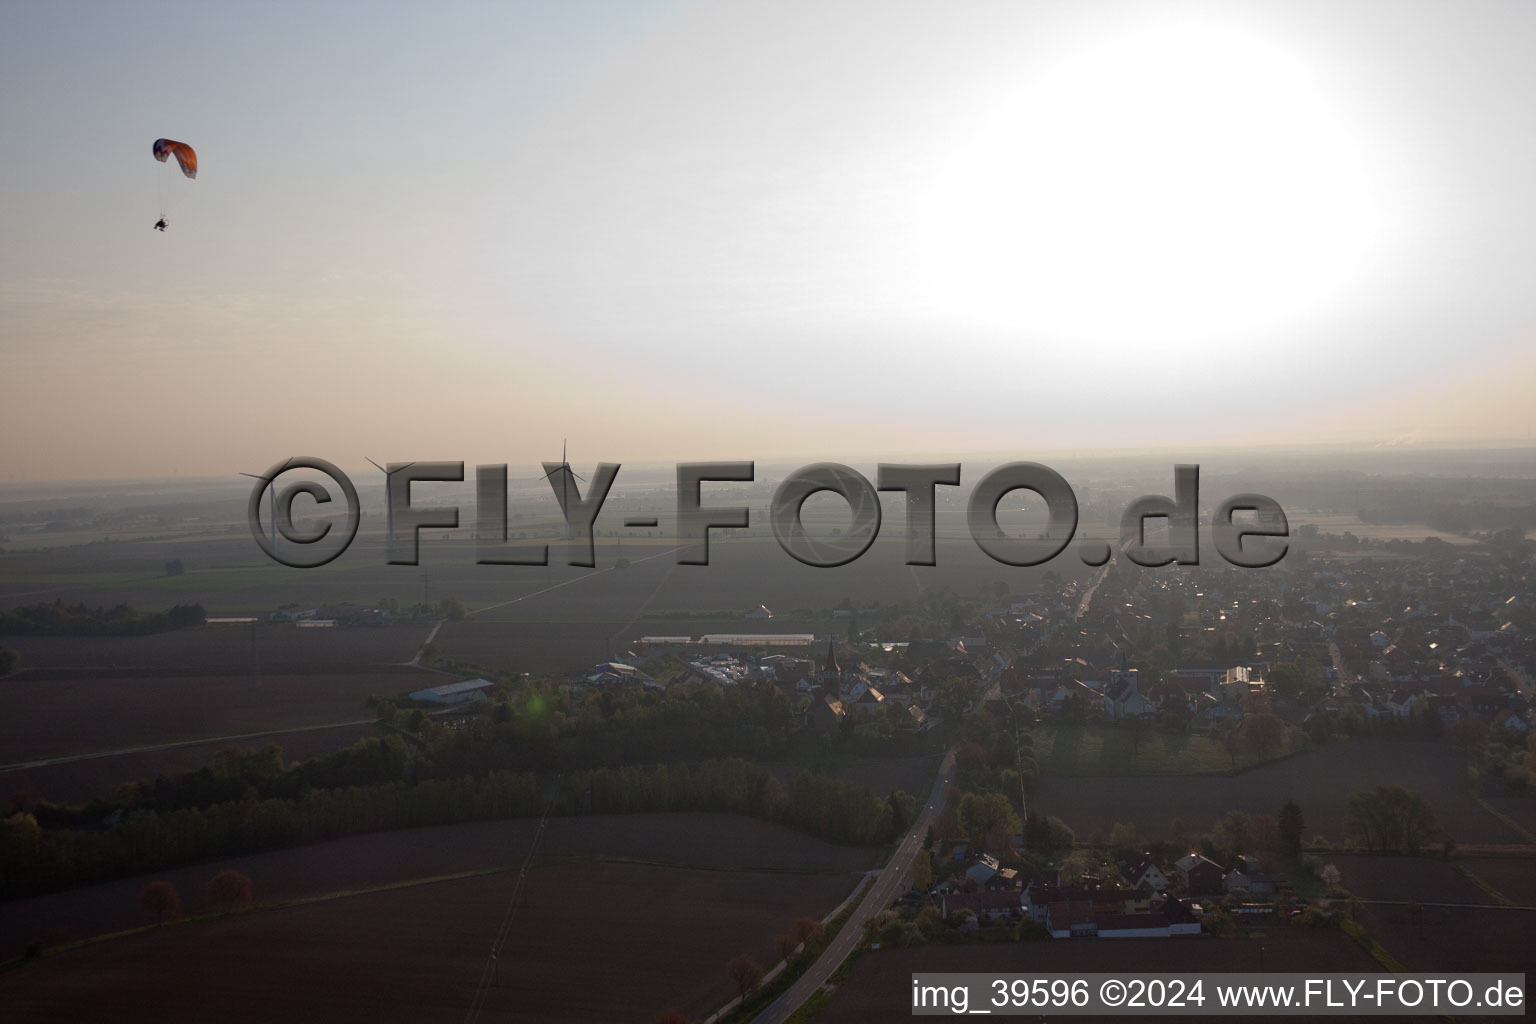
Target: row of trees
538,726
746,974
44,855
227,892
1390,819
534,728
830,809
34,859
59,619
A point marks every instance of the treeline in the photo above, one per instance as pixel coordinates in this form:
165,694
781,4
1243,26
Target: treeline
248,774
162,825
537,726
840,812
533,729
1391,819
35,859
1421,722
60,619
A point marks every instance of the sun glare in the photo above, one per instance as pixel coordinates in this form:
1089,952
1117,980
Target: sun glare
1187,185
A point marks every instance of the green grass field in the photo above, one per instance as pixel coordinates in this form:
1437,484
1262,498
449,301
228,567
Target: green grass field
1106,750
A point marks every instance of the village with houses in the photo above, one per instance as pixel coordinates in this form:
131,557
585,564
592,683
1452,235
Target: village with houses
1254,666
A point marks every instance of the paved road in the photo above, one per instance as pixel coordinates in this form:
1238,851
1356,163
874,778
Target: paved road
1083,605
889,884
1341,677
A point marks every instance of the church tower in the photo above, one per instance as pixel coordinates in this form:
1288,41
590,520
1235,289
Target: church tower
830,672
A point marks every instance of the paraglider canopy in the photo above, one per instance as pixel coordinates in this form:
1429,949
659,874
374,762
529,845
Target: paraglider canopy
184,154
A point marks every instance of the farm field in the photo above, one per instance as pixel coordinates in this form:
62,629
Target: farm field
215,649
89,694
1063,750
879,985
230,576
1521,809
1406,878
1320,780
558,646
47,718
909,774
566,617
81,781
1454,938
726,845
595,942
1515,877
1340,523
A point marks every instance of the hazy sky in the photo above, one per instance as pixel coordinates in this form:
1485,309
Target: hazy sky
680,231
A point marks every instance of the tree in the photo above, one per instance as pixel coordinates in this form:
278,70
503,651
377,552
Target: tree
922,871
229,891
451,609
1264,732
1124,840
903,807
160,901
1220,924
1139,730
745,975
1295,680
954,696
1078,864
174,567
809,930
1292,824
1059,836
785,945
1232,743
1037,835
986,816
1330,876
1390,819
1232,831
1318,727
1264,835
10,660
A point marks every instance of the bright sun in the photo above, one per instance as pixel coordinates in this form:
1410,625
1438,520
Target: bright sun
1188,185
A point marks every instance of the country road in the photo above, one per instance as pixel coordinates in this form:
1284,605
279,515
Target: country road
890,883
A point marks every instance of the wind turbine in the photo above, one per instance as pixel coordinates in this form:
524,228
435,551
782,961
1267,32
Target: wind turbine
566,473
271,482
389,506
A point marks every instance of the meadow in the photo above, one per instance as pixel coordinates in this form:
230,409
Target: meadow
1096,750
1320,780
